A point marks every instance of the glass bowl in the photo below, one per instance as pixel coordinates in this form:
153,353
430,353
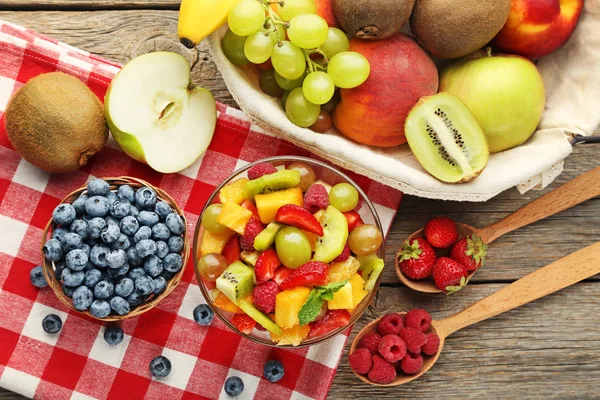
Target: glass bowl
327,174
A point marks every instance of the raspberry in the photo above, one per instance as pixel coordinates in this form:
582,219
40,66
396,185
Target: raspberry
253,228
261,169
370,342
418,318
392,348
414,339
316,198
382,371
433,344
360,361
390,324
263,296
345,254
411,364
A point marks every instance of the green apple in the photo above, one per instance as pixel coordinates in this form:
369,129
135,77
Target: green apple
156,115
505,93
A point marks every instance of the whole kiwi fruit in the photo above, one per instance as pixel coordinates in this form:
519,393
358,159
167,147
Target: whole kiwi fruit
56,122
372,19
452,29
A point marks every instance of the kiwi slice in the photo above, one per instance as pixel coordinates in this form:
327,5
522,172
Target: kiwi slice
371,267
279,180
335,234
236,282
260,317
445,137
266,238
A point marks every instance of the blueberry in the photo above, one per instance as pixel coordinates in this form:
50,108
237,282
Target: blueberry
125,192
82,298
137,273
160,367
98,187
145,198
135,299
203,315
113,334
58,268
160,232
52,250
160,284
144,285
52,323
112,198
95,226
103,289
98,255
92,277
37,278
175,244
116,259
79,204
153,266
100,308
120,208
162,208
80,227
120,305
64,214
86,249
68,291
124,287
129,225
274,371
72,279
172,262
162,249
110,233
110,220
121,243
118,274
97,206
76,260
147,218
143,233
234,386
176,223
58,233
167,275
71,241
133,258
134,211
146,248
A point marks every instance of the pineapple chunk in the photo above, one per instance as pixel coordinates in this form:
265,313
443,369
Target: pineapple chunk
358,290
342,299
249,257
214,242
343,271
293,336
234,217
233,192
268,204
288,304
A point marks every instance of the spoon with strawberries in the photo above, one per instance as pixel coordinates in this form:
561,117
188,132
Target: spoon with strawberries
416,260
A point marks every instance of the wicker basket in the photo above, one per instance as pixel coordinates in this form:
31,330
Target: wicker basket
49,267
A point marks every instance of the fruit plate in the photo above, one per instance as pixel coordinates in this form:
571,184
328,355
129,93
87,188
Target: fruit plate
538,160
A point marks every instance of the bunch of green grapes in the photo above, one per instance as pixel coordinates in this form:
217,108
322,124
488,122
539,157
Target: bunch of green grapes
309,58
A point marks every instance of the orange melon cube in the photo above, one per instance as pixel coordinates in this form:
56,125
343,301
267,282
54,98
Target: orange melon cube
269,203
234,217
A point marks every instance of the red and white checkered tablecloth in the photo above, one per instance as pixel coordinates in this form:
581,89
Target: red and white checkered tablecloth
77,363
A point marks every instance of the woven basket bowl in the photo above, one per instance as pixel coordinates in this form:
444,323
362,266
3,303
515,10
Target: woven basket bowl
49,267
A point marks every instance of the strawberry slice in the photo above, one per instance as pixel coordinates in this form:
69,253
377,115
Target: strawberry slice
311,273
243,322
294,215
249,205
231,251
281,274
265,266
353,219
333,320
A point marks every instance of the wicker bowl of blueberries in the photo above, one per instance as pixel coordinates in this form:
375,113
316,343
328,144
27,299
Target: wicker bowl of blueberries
115,248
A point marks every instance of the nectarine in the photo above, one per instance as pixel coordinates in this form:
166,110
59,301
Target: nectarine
325,10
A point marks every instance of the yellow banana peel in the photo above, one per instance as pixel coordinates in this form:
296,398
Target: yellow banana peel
200,18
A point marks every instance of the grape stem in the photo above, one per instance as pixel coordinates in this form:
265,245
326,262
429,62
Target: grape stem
312,65
318,51
274,18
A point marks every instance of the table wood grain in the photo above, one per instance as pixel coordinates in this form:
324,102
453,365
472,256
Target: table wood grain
547,349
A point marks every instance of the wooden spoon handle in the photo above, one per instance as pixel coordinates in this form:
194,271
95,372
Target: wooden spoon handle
549,279
580,189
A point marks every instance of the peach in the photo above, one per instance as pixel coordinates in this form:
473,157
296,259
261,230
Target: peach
325,10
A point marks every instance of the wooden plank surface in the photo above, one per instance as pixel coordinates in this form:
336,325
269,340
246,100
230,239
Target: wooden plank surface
549,349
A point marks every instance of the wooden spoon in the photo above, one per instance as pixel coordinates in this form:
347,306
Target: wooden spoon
556,276
580,189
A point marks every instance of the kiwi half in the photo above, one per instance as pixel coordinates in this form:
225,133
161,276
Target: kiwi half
445,137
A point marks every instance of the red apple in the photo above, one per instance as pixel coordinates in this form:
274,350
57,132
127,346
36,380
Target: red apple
325,10
536,28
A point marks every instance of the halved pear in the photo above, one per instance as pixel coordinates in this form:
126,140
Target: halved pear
156,115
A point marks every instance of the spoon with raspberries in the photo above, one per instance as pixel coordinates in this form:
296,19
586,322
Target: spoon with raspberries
464,248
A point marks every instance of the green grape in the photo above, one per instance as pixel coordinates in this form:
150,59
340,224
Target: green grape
348,69
301,111
336,42
343,196
292,247
288,84
288,60
291,8
209,218
365,239
211,266
318,87
246,17
258,48
233,48
268,84
284,99
308,31
277,34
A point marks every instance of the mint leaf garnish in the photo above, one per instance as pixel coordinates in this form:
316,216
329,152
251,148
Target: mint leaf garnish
312,306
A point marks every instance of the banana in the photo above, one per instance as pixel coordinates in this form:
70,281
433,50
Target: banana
200,18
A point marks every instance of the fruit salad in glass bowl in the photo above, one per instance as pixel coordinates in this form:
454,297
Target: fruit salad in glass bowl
288,251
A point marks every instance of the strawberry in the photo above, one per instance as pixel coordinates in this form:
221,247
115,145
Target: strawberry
294,215
353,219
469,251
333,319
249,205
266,264
449,275
231,251
311,273
441,232
281,274
243,322
416,259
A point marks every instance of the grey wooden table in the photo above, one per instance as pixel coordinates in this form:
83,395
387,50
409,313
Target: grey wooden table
547,349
